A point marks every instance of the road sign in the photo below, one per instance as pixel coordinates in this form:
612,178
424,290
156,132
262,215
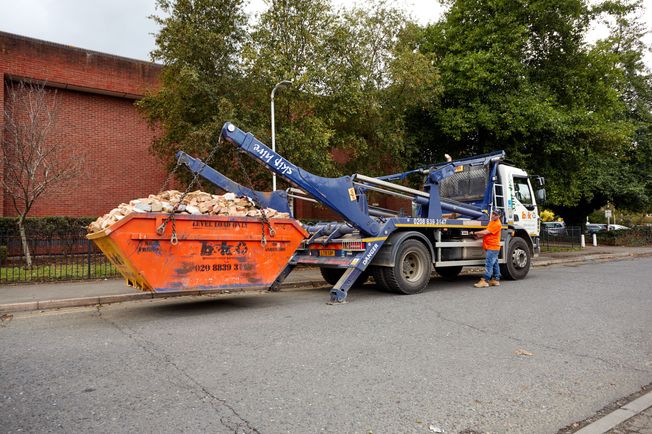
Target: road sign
607,213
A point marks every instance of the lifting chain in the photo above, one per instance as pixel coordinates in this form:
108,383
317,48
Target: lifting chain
195,180
166,183
263,216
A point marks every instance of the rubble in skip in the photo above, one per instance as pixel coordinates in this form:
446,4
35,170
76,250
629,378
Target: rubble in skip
195,203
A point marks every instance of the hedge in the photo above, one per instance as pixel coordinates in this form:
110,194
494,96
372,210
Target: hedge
46,226
637,236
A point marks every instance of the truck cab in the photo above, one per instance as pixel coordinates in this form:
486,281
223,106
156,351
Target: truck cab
513,192
520,206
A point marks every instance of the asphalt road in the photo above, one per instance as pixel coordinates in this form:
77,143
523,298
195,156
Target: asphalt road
447,359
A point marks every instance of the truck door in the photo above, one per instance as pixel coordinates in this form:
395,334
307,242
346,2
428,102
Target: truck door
524,205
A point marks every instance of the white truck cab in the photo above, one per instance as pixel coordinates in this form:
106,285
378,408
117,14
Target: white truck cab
520,205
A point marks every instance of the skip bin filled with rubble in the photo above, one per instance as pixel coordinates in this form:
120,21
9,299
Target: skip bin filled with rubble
209,253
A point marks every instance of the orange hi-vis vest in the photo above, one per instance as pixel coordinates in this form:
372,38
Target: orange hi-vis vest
492,241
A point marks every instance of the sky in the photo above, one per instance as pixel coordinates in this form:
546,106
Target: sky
122,27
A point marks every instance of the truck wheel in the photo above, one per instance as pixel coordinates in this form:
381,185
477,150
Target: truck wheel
412,270
449,273
518,260
332,275
378,274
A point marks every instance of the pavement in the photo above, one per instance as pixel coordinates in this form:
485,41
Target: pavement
635,416
41,296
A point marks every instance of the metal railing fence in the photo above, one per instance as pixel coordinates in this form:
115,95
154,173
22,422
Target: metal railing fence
567,239
66,256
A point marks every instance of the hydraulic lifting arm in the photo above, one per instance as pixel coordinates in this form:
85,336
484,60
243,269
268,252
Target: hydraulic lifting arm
339,194
277,200
432,205
346,195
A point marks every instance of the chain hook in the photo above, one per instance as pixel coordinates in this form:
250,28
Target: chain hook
161,229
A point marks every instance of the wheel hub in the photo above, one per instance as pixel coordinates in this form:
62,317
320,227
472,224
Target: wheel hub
412,267
519,258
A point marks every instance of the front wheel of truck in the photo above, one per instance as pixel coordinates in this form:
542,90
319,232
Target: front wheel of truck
519,260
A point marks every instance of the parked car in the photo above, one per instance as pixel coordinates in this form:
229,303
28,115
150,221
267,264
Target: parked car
554,228
617,227
594,228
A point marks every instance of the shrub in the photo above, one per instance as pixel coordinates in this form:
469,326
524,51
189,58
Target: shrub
45,227
638,236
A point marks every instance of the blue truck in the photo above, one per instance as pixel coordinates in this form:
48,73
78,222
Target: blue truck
400,251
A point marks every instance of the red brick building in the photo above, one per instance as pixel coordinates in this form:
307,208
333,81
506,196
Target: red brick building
95,96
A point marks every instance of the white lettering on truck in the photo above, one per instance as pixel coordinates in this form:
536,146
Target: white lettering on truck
370,255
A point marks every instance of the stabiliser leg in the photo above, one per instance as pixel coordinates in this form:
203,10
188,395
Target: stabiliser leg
341,288
276,286
358,265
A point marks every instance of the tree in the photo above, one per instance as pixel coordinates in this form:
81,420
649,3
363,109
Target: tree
289,42
625,45
33,161
380,80
199,45
519,76
355,76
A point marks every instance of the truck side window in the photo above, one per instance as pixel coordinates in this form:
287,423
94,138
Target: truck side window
522,191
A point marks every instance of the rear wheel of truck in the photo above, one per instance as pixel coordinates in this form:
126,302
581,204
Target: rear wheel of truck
332,275
378,273
412,269
449,273
518,259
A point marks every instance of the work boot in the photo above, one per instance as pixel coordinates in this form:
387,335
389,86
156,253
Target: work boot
481,283
494,282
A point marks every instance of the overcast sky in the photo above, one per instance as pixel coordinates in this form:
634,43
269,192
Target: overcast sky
122,27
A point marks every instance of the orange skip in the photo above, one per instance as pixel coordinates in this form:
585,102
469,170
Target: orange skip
213,252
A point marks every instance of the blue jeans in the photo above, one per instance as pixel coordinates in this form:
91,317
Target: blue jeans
491,267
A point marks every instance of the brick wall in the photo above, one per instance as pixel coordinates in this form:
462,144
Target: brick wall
2,129
95,94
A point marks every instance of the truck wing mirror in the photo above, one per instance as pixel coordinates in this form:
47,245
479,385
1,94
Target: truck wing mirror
541,196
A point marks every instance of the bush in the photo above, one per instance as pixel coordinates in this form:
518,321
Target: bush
638,236
4,251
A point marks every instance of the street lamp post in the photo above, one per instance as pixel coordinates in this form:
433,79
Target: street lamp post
281,85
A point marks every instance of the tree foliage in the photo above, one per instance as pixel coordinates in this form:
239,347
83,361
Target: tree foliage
375,93
519,76
198,44
356,75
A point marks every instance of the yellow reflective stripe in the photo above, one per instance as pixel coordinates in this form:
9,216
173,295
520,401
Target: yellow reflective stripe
371,240
405,225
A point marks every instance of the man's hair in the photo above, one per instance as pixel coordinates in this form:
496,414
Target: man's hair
498,212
